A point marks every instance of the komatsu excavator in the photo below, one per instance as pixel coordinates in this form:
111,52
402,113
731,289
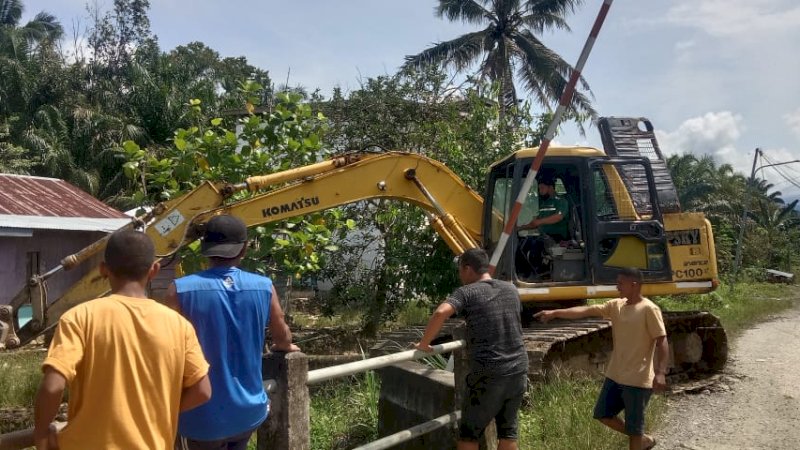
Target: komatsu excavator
623,207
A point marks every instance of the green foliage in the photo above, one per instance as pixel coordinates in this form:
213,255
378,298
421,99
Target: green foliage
398,257
289,136
13,159
20,373
770,225
745,304
358,395
506,46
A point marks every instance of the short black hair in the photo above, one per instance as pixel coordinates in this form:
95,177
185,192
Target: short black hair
476,258
129,254
632,273
546,177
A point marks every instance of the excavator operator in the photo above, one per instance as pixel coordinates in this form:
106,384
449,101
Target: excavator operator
552,223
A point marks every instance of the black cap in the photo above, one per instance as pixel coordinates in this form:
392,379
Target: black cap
224,237
546,178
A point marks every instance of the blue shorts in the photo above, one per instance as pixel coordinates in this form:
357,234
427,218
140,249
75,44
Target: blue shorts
492,397
615,397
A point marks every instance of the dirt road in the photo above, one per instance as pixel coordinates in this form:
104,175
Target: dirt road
757,403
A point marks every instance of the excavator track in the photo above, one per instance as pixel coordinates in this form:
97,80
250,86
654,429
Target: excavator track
698,345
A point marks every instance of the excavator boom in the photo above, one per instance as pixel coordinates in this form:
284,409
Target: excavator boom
349,178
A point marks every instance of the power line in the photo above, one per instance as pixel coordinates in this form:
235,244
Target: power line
794,182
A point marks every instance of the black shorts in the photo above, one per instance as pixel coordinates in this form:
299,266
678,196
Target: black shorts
492,397
615,397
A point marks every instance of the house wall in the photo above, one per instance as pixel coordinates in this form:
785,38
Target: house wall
52,245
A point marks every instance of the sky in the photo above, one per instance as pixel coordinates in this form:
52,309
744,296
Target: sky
715,77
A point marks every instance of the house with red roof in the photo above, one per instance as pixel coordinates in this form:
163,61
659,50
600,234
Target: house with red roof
42,220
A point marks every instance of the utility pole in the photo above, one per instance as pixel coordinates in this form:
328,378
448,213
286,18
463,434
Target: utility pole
737,262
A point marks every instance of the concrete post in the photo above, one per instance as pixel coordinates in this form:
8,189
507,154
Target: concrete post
460,372
287,426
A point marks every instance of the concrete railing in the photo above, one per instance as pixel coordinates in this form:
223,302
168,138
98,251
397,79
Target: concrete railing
288,426
287,378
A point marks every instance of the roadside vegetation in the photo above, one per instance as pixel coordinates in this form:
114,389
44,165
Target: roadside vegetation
556,415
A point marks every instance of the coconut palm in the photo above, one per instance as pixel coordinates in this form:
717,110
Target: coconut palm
508,46
20,41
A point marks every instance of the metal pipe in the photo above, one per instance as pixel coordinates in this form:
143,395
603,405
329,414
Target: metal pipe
328,373
20,439
566,98
411,433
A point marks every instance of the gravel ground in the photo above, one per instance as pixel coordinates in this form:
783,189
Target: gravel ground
755,404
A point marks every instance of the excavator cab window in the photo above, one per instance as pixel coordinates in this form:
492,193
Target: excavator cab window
530,256
625,222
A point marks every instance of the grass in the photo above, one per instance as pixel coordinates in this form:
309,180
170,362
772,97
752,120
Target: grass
739,308
413,313
344,414
19,378
346,318
556,415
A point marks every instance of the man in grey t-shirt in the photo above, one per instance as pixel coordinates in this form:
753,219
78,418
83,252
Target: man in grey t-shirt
498,361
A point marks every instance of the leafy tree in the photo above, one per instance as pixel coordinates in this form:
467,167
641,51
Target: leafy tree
13,159
115,35
288,137
405,258
508,46
724,195
21,42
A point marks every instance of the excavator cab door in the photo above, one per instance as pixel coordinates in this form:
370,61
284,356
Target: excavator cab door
626,228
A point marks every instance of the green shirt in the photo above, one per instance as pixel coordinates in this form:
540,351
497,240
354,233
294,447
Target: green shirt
549,207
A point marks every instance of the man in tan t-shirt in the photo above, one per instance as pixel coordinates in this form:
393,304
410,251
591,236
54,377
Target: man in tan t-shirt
640,343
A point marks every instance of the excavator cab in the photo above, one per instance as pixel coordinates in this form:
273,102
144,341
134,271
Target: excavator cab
612,220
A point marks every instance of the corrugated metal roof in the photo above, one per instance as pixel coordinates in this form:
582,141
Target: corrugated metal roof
59,223
22,195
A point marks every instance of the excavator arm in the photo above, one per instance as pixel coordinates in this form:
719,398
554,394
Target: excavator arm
349,178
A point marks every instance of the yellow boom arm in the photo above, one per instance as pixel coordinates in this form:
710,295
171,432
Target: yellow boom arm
454,211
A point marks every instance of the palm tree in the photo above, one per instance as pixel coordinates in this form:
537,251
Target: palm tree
508,46
17,45
20,41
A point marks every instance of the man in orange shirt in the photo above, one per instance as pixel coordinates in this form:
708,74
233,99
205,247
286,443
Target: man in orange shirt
640,343
131,363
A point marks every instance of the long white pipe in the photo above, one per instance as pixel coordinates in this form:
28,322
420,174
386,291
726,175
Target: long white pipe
411,433
328,373
564,101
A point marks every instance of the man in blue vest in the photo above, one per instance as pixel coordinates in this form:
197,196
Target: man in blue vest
230,310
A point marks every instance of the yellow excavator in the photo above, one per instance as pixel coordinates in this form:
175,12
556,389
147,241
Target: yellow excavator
623,213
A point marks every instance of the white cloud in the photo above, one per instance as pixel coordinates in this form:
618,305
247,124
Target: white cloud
739,19
713,133
717,134
793,120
